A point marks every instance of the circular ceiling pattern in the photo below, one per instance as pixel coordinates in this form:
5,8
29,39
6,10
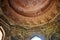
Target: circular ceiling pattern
29,7
30,13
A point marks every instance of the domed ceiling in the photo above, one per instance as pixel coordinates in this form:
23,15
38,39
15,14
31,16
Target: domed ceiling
31,13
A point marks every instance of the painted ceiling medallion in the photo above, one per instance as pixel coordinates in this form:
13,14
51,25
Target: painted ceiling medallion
29,8
31,13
